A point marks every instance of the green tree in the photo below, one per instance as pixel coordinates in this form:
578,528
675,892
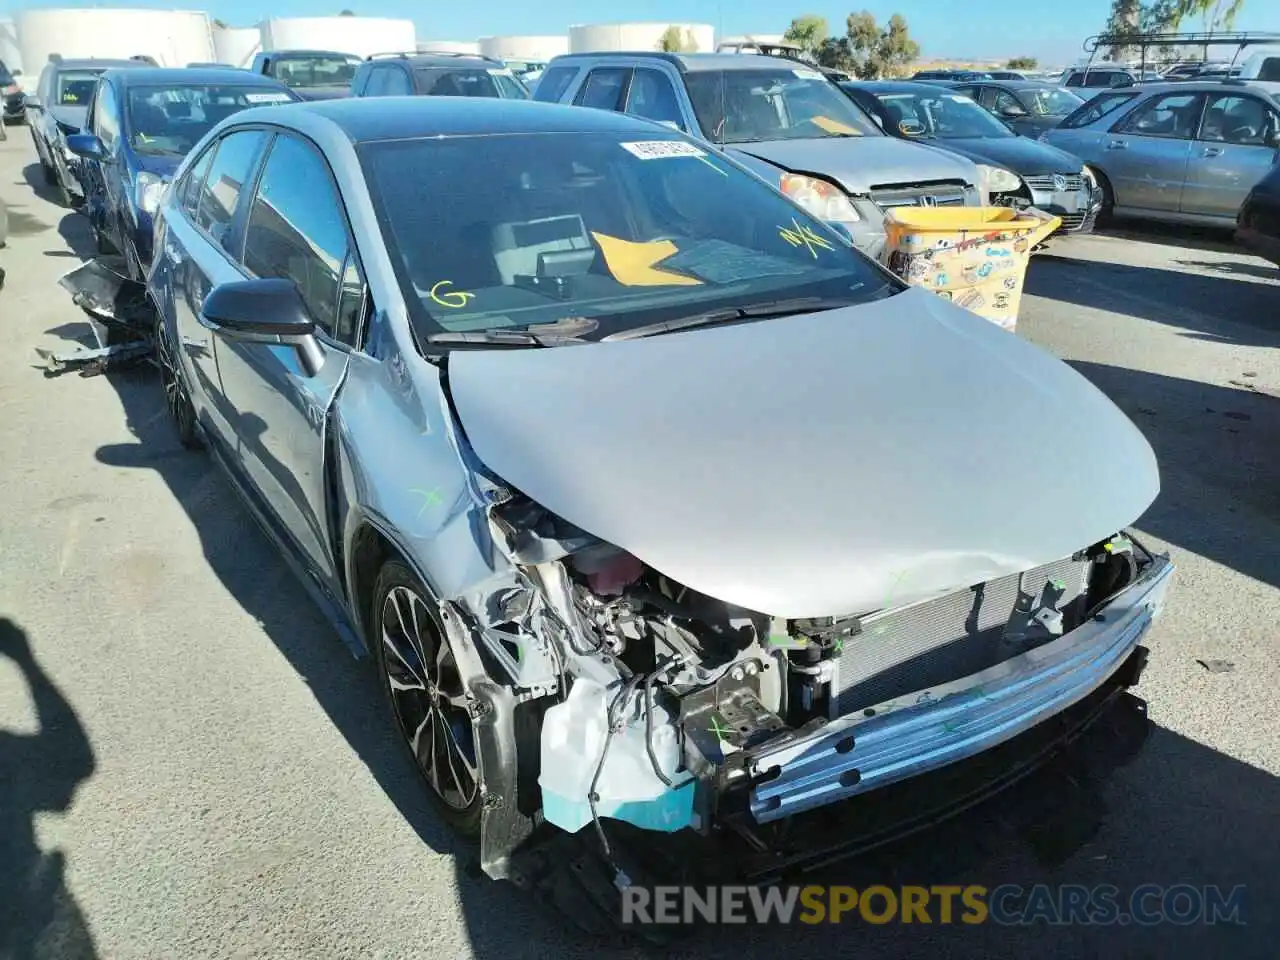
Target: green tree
675,40
1023,63
346,13
807,32
869,50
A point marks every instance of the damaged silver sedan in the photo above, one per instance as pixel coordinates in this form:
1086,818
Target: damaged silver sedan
660,509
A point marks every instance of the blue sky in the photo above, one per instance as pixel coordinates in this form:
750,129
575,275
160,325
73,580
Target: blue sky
1049,29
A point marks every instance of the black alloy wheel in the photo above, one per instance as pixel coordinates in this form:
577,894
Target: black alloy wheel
428,699
175,394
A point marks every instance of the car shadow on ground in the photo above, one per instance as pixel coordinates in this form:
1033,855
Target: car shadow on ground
1261,271
39,773
1220,308
1224,506
1182,236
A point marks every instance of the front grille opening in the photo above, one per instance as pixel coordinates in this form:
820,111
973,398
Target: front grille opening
900,652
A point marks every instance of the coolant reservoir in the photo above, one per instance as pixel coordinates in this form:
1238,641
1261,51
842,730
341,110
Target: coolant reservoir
573,735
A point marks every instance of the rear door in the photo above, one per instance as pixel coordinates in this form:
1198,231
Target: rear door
296,229
654,96
1234,149
1146,154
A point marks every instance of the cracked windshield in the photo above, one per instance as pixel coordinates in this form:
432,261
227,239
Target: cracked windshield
595,235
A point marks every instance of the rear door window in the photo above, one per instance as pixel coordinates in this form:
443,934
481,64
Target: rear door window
398,83
221,190
193,182
604,88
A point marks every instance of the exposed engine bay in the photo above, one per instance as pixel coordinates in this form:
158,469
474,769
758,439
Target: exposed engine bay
657,697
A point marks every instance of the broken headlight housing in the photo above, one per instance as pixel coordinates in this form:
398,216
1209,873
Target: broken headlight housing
821,198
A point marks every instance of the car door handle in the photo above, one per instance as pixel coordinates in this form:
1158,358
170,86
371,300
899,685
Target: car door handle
1212,152
1117,145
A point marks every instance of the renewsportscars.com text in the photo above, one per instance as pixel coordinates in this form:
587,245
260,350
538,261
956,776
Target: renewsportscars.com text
1008,905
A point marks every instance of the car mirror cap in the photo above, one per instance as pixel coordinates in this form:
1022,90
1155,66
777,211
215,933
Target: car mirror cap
86,145
259,308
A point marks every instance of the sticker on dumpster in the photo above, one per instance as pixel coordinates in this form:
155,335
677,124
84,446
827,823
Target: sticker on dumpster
942,279
998,252
1020,246
918,269
984,271
1010,283
971,300
945,294
1001,301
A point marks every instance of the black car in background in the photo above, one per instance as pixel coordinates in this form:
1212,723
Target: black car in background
56,111
12,99
436,75
311,74
1258,224
1029,107
1016,171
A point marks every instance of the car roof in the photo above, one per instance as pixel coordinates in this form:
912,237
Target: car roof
82,63
368,119
1204,86
432,58
699,62
277,54
895,86
187,76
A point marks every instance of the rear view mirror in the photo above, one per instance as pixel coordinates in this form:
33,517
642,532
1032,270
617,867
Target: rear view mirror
86,145
264,311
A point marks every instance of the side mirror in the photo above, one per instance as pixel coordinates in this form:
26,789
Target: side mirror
264,311
1012,112
86,145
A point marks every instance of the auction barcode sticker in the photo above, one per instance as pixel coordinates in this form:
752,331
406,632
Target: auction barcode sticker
266,98
501,72
808,74
662,149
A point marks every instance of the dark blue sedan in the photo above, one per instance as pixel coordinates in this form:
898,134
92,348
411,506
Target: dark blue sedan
141,124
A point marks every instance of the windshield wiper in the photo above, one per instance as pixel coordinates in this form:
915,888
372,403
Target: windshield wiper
557,333
758,311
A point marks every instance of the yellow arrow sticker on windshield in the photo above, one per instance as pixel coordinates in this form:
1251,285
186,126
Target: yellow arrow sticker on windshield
835,126
633,264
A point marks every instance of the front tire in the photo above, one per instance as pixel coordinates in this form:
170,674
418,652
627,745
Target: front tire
429,703
181,411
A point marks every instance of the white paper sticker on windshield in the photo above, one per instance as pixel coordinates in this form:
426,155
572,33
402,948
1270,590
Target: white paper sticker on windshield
662,149
808,74
267,98
501,72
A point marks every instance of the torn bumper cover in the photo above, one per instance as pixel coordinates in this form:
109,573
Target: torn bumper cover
885,744
103,289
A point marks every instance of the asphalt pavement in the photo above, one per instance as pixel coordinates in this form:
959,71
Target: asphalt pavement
193,765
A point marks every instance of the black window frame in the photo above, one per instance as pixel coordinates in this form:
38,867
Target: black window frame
187,183
624,91
1120,125
360,334
105,93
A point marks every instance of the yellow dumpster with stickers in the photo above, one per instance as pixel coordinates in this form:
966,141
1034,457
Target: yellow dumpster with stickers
976,257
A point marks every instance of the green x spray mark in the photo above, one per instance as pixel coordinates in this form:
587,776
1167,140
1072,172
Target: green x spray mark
721,731
430,498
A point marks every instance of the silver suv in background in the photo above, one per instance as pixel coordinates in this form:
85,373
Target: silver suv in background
782,119
1188,151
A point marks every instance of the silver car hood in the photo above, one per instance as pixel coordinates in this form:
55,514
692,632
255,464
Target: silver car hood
817,465
859,163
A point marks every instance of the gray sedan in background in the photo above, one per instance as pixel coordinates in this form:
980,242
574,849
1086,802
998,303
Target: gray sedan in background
1184,152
